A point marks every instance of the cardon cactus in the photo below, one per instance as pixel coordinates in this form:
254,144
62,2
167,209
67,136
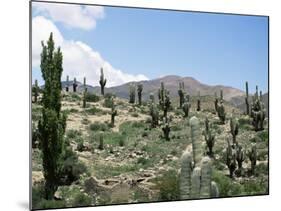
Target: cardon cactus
102,81
216,102
161,95
35,90
247,100
221,111
252,154
258,112
84,82
221,94
132,93
196,140
154,113
181,93
209,137
240,157
234,129
74,85
67,84
198,102
113,113
167,104
84,97
166,129
185,175
231,159
206,174
101,147
186,106
139,90
151,98
196,183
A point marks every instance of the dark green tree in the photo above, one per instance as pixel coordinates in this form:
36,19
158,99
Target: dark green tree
52,124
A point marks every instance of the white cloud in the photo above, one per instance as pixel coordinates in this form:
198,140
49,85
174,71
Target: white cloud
79,59
73,16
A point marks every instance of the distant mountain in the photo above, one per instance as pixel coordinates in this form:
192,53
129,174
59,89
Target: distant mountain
192,86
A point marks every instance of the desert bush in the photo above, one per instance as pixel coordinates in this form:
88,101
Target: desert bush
85,121
71,134
81,199
168,185
142,161
93,110
38,201
91,97
72,168
97,126
134,114
80,144
108,100
226,185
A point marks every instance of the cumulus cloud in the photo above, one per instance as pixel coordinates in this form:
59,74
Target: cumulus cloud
79,59
73,16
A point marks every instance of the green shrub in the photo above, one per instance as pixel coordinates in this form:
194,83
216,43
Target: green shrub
227,186
80,145
91,97
121,142
168,185
81,199
108,100
85,121
142,160
97,126
93,110
71,134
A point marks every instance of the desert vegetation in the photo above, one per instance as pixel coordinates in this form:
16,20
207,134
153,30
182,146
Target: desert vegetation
95,148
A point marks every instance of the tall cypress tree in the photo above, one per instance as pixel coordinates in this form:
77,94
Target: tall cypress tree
52,123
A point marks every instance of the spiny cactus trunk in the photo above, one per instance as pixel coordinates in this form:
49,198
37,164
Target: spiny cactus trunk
102,81
247,100
206,173
67,84
84,98
74,85
196,140
166,129
185,175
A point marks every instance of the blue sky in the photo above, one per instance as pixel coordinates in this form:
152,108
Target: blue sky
212,48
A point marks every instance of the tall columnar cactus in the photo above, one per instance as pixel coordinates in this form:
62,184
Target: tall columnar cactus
234,129
206,174
231,159
166,129
216,102
74,85
161,95
52,123
35,90
221,111
186,106
258,112
167,104
139,90
132,93
198,102
181,93
240,157
252,154
67,84
151,98
101,147
185,175
113,113
102,81
84,82
196,183
84,97
247,102
209,137
221,95
154,113
196,140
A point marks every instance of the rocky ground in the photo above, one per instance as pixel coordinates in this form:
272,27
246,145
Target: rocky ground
136,163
